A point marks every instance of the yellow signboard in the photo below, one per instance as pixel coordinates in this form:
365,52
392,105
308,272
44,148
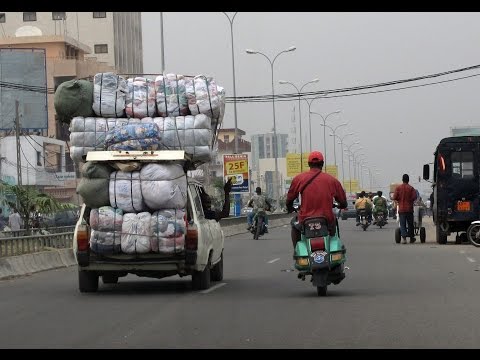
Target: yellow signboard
351,186
293,164
332,170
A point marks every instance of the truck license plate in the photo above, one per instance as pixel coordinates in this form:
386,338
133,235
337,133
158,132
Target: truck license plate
463,206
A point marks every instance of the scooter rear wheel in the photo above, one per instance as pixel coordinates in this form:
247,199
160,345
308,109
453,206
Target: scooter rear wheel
322,290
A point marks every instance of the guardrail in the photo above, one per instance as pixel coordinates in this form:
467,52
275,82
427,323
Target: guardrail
21,245
36,231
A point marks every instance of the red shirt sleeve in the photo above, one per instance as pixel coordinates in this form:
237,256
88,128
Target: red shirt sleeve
293,190
340,195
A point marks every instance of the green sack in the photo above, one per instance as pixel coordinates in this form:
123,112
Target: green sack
93,187
73,98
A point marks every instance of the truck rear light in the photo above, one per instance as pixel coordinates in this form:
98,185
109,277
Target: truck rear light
191,240
83,238
317,243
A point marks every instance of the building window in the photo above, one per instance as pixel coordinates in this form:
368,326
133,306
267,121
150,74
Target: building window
59,15
226,138
101,49
99,14
29,16
2,17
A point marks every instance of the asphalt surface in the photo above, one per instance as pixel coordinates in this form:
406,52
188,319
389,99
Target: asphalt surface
394,296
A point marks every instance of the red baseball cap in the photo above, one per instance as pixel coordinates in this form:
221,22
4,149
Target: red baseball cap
315,156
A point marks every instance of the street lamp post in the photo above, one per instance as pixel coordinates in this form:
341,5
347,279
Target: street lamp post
334,147
300,113
275,150
234,87
341,142
324,118
348,149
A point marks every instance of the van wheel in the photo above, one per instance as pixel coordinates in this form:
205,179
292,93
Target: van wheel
87,281
109,279
201,279
216,274
441,236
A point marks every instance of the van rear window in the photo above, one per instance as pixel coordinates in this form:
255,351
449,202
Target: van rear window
462,164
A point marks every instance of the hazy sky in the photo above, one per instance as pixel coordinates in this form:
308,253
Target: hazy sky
397,129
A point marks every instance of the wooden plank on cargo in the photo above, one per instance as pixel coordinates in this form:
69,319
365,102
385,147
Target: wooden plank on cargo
138,155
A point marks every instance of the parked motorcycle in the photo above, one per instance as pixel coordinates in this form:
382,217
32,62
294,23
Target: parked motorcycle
259,228
320,255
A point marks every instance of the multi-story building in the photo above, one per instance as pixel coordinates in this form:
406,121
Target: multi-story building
65,60
114,37
262,147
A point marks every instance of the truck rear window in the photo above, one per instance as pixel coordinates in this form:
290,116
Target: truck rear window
462,164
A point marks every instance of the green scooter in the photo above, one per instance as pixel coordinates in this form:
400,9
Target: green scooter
320,255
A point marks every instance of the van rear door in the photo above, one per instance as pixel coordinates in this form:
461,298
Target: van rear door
458,181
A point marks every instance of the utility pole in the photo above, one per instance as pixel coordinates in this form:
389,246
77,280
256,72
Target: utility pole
17,135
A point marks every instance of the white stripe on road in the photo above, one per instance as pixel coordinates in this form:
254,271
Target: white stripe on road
462,251
213,288
272,261
471,259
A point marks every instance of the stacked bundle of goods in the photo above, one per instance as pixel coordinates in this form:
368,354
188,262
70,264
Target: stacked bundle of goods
139,208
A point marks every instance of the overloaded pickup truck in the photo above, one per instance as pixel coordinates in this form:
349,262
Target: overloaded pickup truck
202,255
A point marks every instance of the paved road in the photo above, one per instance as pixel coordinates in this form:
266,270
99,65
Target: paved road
394,296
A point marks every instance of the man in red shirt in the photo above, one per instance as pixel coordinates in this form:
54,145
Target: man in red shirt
405,195
318,189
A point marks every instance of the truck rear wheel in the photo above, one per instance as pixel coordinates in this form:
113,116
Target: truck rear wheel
87,281
201,279
441,235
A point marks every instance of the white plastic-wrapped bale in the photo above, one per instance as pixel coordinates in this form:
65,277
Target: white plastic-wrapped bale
125,191
106,223
164,186
168,231
109,92
134,137
93,186
88,134
190,133
205,97
136,233
141,97
171,95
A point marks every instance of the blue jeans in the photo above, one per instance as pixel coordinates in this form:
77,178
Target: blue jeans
250,217
406,225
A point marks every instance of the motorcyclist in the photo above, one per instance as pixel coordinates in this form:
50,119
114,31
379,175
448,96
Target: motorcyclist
379,205
363,203
318,189
260,204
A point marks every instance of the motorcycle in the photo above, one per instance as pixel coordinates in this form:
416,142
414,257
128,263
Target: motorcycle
259,228
320,255
364,219
473,233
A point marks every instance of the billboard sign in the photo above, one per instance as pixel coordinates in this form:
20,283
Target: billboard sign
23,77
235,166
293,163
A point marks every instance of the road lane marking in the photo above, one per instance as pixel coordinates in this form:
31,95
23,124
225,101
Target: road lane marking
462,251
272,261
213,288
471,259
